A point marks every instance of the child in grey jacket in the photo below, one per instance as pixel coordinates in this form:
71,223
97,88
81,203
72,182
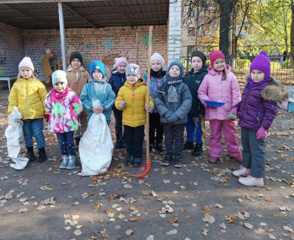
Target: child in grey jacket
173,101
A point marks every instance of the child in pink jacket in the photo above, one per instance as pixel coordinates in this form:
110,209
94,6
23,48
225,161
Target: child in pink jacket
64,107
220,85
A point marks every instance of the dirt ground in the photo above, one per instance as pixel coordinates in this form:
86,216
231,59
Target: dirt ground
197,201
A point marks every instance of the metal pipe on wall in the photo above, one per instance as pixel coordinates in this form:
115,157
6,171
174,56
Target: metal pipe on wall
62,34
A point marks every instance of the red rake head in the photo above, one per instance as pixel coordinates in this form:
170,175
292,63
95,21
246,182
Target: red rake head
146,166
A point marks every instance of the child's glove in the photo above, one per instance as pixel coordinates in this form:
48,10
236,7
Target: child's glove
148,108
168,114
261,133
173,118
47,117
122,104
233,113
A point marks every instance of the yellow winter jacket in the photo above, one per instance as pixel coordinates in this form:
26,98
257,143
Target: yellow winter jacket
29,97
134,113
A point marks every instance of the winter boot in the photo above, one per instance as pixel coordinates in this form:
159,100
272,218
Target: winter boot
42,155
137,162
118,144
71,162
212,159
241,172
251,181
167,160
189,145
159,147
31,155
77,140
130,160
64,161
178,161
151,147
197,150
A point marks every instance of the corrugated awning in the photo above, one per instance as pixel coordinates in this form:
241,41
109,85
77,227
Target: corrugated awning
41,14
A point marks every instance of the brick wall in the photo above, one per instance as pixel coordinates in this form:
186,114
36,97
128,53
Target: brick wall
96,44
11,49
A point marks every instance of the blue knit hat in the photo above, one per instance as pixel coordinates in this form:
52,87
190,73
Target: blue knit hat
179,64
97,65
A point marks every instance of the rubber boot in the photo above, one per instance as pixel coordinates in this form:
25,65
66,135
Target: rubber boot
31,155
71,162
189,145
42,155
64,161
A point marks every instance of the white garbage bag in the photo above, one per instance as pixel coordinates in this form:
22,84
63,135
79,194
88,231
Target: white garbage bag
13,134
96,146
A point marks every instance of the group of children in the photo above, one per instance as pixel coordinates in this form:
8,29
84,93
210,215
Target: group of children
177,101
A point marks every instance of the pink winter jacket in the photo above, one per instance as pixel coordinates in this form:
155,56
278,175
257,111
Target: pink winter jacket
213,88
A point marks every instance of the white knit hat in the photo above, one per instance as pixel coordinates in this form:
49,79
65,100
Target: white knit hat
59,76
26,62
157,56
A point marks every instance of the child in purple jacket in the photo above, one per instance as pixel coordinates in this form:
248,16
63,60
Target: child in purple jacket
256,111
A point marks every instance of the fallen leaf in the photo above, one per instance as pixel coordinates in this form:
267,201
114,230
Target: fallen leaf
133,219
205,231
173,220
78,232
223,226
248,225
129,232
268,199
288,229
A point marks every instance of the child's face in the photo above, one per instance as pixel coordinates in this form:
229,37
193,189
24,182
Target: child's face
197,63
257,75
97,75
219,65
26,72
156,65
121,68
76,63
174,71
132,79
60,87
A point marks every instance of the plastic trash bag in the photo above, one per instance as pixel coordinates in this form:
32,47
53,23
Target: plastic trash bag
13,134
96,146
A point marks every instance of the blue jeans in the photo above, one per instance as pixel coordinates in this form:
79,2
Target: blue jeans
195,128
253,152
66,143
33,128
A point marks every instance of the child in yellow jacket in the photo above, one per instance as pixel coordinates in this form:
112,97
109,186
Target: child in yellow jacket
132,99
28,95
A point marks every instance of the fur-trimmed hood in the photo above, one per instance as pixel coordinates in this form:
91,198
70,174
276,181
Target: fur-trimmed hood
273,90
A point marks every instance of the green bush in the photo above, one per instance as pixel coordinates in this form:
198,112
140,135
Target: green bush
243,63
275,65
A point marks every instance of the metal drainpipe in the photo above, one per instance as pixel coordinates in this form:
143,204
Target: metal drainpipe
62,34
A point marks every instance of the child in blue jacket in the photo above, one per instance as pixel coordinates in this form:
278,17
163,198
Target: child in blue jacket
117,80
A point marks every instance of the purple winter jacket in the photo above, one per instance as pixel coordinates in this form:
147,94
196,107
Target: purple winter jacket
258,106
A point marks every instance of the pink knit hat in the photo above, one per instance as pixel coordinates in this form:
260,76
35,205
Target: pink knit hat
120,60
213,56
26,62
157,56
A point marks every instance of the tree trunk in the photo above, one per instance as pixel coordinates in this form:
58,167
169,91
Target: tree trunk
226,31
292,36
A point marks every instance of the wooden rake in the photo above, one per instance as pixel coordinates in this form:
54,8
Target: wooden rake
146,164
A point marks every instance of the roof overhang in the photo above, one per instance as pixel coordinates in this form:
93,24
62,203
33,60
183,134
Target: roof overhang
43,14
